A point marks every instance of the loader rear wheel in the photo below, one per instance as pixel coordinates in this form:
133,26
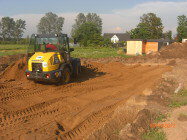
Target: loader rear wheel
76,72
66,76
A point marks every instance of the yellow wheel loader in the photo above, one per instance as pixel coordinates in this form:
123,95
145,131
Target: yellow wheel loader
49,59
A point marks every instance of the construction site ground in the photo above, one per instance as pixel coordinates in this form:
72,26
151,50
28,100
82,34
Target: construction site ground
113,98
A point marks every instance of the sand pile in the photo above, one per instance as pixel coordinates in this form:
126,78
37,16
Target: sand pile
16,70
5,61
175,50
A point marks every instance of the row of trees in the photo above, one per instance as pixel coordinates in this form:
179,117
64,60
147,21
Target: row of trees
11,29
151,27
88,28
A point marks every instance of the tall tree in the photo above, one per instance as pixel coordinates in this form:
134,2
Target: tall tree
150,27
78,21
50,23
167,35
182,27
19,29
140,32
89,18
88,34
0,30
7,28
94,18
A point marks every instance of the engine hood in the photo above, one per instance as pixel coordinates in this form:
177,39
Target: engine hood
41,57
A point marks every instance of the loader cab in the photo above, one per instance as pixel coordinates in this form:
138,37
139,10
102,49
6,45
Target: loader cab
50,43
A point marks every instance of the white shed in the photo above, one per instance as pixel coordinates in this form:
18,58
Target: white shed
135,46
184,40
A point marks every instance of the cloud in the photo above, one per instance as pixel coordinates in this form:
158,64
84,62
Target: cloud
119,20
168,11
32,21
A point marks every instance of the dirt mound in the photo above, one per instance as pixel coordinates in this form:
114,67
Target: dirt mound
5,61
175,50
15,71
138,126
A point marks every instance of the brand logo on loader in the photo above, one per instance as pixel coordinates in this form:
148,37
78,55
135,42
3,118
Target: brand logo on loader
39,57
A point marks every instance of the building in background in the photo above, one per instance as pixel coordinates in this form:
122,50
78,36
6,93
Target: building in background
117,37
154,45
184,40
135,46
139,46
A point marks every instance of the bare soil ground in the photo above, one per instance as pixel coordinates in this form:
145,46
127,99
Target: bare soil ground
109,93
79,107
8,60
178,132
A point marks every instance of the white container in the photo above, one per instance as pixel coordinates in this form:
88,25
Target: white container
184,40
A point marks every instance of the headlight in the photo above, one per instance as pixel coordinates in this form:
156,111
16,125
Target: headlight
44,64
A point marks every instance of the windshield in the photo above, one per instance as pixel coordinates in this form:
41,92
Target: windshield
47,44
46,41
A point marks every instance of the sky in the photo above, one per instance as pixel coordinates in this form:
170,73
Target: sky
118,15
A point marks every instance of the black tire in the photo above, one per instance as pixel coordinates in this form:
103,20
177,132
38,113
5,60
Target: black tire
76,67
66,75
76,71
80,69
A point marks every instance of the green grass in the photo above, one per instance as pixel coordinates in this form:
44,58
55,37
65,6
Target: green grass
116,132
13,47
179,99
183,93
175,104
160,118
97,52
4,53
154,134
178,103
80,52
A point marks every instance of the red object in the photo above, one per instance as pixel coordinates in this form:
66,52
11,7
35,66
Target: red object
27,74
51,47
47,76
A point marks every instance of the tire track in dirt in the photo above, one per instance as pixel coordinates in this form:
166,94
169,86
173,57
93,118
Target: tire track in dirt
80,107
99,116
21,93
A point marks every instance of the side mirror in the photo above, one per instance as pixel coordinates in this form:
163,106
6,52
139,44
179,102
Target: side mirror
71,49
